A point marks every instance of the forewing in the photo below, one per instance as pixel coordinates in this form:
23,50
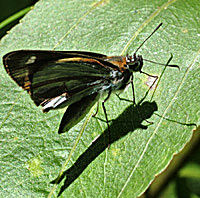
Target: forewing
51,75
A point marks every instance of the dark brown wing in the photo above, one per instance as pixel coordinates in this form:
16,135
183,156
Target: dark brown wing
57,75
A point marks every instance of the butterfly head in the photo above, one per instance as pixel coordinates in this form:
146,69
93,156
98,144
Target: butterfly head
134,63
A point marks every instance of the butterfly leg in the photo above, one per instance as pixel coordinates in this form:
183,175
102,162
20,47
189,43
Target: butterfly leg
104,109
152,76
133,90
134,103
156,77
130,82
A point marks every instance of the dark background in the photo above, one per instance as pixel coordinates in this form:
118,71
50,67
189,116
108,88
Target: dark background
10,7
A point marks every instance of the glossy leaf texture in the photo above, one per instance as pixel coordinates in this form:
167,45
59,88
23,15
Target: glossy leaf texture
31,151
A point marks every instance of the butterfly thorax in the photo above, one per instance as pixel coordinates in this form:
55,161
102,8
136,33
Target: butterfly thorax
118,80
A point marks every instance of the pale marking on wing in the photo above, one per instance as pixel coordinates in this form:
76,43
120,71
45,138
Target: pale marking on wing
31,60
78,60
55,102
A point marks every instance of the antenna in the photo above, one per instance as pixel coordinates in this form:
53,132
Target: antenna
148,37
162,63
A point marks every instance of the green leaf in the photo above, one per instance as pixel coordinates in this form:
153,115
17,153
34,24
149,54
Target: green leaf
32,153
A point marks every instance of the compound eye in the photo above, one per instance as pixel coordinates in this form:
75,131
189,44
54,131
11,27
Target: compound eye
136,64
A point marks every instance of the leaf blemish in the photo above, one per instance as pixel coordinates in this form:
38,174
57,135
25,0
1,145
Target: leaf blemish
34,166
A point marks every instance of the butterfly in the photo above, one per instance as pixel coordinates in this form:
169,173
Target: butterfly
76,79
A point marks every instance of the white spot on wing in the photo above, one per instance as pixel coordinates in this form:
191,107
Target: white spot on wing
55,102
31,60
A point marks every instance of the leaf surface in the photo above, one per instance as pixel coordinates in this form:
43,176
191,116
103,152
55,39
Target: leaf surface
32,153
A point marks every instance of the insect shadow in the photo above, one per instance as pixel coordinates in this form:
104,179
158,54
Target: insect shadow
119,127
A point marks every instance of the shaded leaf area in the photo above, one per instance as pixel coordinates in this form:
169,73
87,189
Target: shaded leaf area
32,152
